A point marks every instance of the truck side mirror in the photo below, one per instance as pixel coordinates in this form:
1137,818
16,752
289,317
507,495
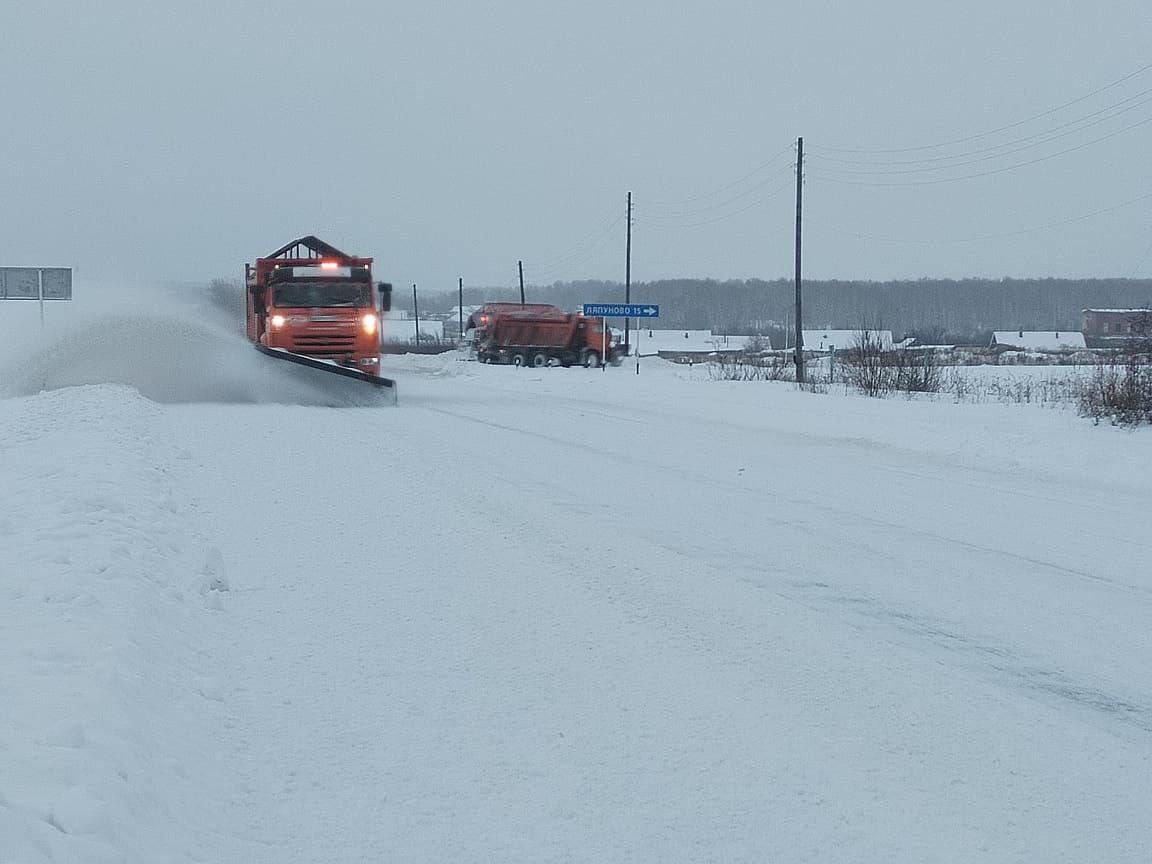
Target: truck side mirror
385,290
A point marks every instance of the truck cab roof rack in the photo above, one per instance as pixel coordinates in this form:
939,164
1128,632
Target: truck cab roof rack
305,248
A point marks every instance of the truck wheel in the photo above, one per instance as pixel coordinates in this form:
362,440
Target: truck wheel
540,360
519,360
591,360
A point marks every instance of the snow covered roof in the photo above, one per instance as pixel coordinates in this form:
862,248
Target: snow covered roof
1040,340
702,341
826,340
1121,311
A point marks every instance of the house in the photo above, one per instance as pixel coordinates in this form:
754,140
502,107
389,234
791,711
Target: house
454,318
1112,324
840,340
1038,340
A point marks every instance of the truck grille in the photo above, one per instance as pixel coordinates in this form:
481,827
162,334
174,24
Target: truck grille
332,343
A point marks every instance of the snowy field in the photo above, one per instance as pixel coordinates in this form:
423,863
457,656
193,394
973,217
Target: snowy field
558,615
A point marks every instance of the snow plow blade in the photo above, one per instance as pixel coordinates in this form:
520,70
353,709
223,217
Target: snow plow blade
379,391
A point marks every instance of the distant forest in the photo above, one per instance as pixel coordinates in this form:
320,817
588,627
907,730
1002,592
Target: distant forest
963,311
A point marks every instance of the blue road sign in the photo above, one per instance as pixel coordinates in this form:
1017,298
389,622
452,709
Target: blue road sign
621,310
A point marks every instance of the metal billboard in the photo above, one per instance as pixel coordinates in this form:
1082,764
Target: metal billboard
20,283
56,282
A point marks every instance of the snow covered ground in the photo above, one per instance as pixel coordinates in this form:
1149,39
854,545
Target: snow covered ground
560,615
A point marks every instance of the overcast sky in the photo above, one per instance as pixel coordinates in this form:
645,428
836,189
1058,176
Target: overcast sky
180,140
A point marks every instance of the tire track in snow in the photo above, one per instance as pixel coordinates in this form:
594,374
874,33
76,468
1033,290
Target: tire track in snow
1007,662
835,513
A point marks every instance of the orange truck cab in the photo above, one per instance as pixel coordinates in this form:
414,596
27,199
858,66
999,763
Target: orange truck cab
310,298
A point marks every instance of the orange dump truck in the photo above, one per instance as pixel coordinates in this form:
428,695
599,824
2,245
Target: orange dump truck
540,338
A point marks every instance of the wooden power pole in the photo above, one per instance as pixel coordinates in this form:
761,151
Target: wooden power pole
521,263
799,222
416,313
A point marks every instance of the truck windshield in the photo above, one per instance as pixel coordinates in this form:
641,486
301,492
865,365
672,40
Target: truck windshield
322,294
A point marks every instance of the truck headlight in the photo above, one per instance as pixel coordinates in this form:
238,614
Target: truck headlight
277,321
369,323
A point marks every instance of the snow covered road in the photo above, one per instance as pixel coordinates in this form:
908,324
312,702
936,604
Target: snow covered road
566,615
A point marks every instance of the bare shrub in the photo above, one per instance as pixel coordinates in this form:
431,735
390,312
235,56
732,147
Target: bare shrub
1119,392
957,384
865,365
1048,391
915,371
747,367
876,369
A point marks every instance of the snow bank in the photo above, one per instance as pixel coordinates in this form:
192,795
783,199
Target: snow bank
571,615
178,355
106,730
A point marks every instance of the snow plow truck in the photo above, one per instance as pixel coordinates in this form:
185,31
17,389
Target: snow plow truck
311,304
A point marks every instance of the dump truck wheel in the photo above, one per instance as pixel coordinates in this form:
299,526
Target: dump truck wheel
519,360
540,360
591,360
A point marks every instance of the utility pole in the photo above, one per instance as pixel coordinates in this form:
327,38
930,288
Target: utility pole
628,276
460,306
416,312
799,221
521,263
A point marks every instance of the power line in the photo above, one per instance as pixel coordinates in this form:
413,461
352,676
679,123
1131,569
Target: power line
719,205
880,170
977,238
999,129
581,245
771,159
1048,136
937,180
655,222
541,273
1143,260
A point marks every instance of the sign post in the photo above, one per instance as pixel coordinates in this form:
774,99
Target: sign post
621,310
603,344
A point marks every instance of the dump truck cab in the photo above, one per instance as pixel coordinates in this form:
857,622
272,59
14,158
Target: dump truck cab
312,299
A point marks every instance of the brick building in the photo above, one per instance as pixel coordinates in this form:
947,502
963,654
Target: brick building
1117,324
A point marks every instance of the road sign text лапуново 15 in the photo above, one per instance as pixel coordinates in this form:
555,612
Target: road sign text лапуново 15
621,310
